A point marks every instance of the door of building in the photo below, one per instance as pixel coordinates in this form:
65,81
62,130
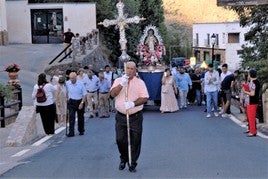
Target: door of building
47,26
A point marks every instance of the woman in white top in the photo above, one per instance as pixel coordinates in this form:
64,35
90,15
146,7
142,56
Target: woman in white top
47,109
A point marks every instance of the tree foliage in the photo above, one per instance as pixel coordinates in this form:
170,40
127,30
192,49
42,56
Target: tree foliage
254,53
152,10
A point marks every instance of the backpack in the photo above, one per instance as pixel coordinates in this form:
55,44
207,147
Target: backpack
41,95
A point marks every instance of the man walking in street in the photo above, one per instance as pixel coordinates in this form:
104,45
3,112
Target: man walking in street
76,99
211,86
92,86
183,82
130,93
104,88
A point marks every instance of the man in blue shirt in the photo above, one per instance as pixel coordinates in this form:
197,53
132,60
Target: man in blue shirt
104,88
183,82
92,85
76,99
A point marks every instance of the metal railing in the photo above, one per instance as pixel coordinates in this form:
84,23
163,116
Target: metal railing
64,57
15,104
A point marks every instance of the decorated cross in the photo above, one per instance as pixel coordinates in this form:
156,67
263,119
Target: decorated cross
121,22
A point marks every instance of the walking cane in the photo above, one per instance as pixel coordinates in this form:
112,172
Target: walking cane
66,121
128,130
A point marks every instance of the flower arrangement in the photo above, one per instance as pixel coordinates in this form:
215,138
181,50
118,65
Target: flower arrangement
12,68
151,47
151,58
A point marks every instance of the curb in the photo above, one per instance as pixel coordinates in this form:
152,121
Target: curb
261,133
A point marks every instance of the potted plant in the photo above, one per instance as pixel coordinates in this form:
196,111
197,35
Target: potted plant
6,91
12,70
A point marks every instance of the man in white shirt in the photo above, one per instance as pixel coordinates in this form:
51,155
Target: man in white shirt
211,85
108,73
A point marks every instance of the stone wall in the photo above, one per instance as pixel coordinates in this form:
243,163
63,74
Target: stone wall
26,129
95,57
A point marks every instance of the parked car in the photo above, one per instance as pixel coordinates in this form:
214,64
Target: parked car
178,62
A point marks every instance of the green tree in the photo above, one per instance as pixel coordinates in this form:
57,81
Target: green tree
152,10
254,52
106,9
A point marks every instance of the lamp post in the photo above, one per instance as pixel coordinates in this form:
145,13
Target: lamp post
213,40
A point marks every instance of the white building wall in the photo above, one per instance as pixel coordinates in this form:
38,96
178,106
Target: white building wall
18,22
204,29
80,17
3,20
222,29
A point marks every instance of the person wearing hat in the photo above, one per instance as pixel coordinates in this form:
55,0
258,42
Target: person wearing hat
211,81
253,93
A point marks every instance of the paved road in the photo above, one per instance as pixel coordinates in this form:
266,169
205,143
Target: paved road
175,145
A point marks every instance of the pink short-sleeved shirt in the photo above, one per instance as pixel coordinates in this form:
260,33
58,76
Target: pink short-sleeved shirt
136,89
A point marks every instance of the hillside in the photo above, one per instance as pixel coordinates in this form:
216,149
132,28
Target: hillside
196,11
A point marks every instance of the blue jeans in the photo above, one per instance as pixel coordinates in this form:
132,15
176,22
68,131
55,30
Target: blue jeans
183,98
212,97
198,97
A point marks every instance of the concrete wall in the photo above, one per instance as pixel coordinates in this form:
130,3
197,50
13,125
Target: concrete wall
3,20
80,17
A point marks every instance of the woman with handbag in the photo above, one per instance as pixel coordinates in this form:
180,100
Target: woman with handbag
168,91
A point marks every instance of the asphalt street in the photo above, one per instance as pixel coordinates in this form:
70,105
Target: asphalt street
185,144
175,145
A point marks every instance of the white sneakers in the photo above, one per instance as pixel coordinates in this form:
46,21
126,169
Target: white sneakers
224,115
215,114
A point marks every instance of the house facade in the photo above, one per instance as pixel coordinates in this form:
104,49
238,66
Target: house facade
29,22
227,47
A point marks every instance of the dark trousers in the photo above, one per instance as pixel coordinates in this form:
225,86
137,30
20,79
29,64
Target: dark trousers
73,108
225,100
48,116
135,136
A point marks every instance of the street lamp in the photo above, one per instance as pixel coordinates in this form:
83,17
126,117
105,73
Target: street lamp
213,40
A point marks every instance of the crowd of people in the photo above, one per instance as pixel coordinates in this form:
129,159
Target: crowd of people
86,87
214,88
99,93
